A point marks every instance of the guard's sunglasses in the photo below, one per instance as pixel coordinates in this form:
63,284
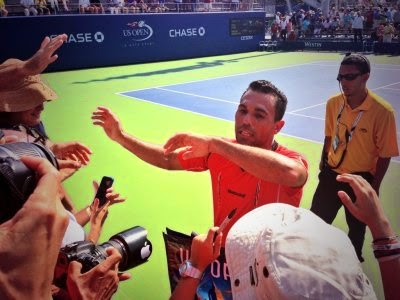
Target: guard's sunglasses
348,77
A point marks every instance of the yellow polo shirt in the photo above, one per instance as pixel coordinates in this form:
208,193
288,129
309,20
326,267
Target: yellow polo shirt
374,135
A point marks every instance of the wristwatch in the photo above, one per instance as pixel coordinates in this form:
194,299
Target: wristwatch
186,269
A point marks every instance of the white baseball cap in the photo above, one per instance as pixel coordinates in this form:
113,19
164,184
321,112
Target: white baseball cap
279,251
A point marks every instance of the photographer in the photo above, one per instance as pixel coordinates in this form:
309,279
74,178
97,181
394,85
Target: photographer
27,268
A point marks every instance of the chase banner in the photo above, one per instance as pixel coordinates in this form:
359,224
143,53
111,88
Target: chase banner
107,40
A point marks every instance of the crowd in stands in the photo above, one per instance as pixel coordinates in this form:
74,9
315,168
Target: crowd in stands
47,7
376,21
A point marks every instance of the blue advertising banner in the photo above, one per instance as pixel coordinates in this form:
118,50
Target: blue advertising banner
107,40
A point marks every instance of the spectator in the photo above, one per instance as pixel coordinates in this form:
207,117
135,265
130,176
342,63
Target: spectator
283,24
41,6
318,27
292,36
396,19
358,25
380,30
207,5
3,10
96,7
54,6
388,33
131,6
85,7
278,252
360,138
246,173
29,7
27,268
274,31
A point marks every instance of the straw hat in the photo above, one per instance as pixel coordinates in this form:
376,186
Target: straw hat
282,252
25,94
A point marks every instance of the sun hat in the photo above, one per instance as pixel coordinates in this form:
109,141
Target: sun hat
279,251
24,94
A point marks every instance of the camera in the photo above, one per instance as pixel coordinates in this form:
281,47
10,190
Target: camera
17,181
132,244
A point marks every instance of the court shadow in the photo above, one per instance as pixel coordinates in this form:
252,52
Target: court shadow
197,66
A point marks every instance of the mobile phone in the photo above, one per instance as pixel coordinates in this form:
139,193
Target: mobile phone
105,184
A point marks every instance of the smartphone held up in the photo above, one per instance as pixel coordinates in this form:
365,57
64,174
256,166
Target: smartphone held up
105,184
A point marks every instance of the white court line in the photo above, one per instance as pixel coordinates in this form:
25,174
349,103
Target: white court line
305,116
392,89
197,96
385,86
177,108
226,76
311,106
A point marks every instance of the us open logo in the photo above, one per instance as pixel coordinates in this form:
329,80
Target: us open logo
139,31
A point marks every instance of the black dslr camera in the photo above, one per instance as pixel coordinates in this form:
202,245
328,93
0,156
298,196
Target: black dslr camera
132,244
17,181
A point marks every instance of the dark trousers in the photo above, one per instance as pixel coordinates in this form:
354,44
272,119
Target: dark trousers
326,204
358,33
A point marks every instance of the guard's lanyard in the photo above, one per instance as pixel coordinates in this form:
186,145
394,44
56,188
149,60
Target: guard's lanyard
348,134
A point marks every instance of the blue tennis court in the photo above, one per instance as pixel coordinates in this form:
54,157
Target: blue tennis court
307,86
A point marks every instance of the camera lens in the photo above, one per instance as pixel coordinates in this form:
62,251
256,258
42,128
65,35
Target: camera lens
133,245
17,181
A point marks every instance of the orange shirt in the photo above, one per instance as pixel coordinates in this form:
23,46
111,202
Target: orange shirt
374,135
235,188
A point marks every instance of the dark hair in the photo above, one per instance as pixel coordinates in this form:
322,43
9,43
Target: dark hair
357,60
267,87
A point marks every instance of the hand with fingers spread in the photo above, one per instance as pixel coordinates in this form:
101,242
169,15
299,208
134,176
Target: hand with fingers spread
30,241
367,208
45,55
13,71
101,282
112,196
197,145
68,168
72,151
108,120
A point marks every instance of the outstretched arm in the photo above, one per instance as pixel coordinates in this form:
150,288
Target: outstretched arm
368,209
17,70
264,164
148,152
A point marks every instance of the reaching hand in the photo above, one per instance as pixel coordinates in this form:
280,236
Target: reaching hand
45,55
204,249
101,282
197,145
111,196
72,150
109,121
367,207
30,241
68,168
